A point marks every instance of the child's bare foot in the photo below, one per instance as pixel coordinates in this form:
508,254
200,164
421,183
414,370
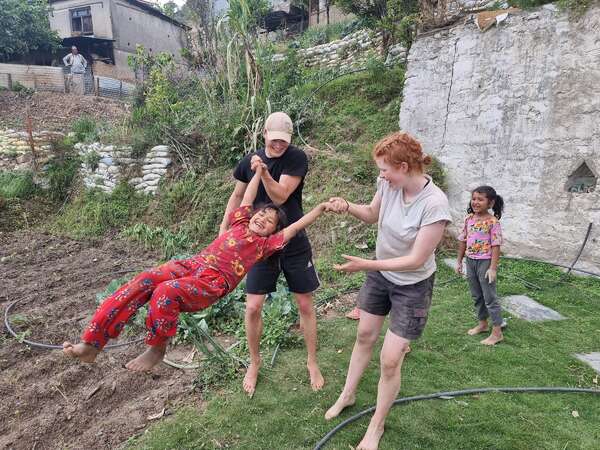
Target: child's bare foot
251,377
84,352
481,328
147,360
342,402
493,339
316,379
370,440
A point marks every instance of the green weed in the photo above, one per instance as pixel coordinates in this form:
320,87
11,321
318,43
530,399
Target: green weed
17,185
159,238
93,213
85,129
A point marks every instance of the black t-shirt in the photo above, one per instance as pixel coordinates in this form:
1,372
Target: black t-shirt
294,163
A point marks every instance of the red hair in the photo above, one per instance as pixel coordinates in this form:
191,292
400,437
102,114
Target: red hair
400,147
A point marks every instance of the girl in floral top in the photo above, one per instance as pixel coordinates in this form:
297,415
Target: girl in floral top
480,241
191,284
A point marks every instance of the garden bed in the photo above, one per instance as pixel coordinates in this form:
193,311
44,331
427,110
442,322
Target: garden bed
50,401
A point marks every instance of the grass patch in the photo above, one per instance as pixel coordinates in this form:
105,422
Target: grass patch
17,185
445,358
94,213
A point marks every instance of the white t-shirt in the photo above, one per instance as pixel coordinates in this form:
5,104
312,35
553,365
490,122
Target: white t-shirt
399,223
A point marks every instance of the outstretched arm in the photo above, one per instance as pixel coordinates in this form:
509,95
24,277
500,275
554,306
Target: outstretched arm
427,240
367,213
234,202
252,189
290,231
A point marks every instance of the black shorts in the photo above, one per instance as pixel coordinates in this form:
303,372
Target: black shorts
297,267
407,305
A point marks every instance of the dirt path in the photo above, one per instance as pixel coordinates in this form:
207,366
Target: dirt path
56,111
49,401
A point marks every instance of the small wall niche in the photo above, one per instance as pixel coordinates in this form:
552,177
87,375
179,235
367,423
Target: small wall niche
582,180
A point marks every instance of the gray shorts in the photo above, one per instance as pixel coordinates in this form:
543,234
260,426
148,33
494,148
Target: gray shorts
407,305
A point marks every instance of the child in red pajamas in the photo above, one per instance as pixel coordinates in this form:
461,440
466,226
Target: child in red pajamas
192,284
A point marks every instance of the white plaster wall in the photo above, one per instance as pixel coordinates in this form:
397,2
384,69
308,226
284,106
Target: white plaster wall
134,26
517,107
60,19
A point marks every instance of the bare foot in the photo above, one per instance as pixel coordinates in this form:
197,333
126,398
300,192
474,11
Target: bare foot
316,379
250,378
354,314
342,402
478,329
147,360
493,339
370,440
85,352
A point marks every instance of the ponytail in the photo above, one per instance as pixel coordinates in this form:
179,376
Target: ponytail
498,206
491,195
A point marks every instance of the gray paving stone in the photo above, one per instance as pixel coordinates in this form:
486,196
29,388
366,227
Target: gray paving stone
592,359
528,309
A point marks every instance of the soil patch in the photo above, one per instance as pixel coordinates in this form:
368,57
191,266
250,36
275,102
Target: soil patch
52,111
49,401
338,306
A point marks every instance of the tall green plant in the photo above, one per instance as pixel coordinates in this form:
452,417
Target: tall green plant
395,19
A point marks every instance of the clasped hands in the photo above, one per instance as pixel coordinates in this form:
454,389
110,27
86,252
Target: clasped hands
336,205
353,263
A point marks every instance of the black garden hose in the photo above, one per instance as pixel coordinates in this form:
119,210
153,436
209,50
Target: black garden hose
49,346
450,395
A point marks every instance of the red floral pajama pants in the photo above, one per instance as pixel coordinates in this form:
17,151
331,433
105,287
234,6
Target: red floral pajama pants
174,287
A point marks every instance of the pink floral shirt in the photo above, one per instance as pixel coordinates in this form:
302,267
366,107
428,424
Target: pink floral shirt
481,235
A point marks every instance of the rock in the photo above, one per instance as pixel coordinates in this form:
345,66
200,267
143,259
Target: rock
150,167
24,159
592,359
528,309
158,161
160,148
159,172
449,81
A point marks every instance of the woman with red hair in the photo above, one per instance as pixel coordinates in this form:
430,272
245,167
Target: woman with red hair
411,213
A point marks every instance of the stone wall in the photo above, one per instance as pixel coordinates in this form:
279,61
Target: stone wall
15,148
351,51
103,166
516,107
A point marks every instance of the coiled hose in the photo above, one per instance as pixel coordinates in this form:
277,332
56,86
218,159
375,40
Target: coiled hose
450,395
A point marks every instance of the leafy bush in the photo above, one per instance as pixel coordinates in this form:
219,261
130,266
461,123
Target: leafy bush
21,89
323,34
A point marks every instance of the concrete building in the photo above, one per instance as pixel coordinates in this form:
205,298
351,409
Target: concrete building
106,32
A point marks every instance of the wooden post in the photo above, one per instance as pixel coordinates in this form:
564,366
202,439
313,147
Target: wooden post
66,82
97,86
9,81
120,88
29,128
